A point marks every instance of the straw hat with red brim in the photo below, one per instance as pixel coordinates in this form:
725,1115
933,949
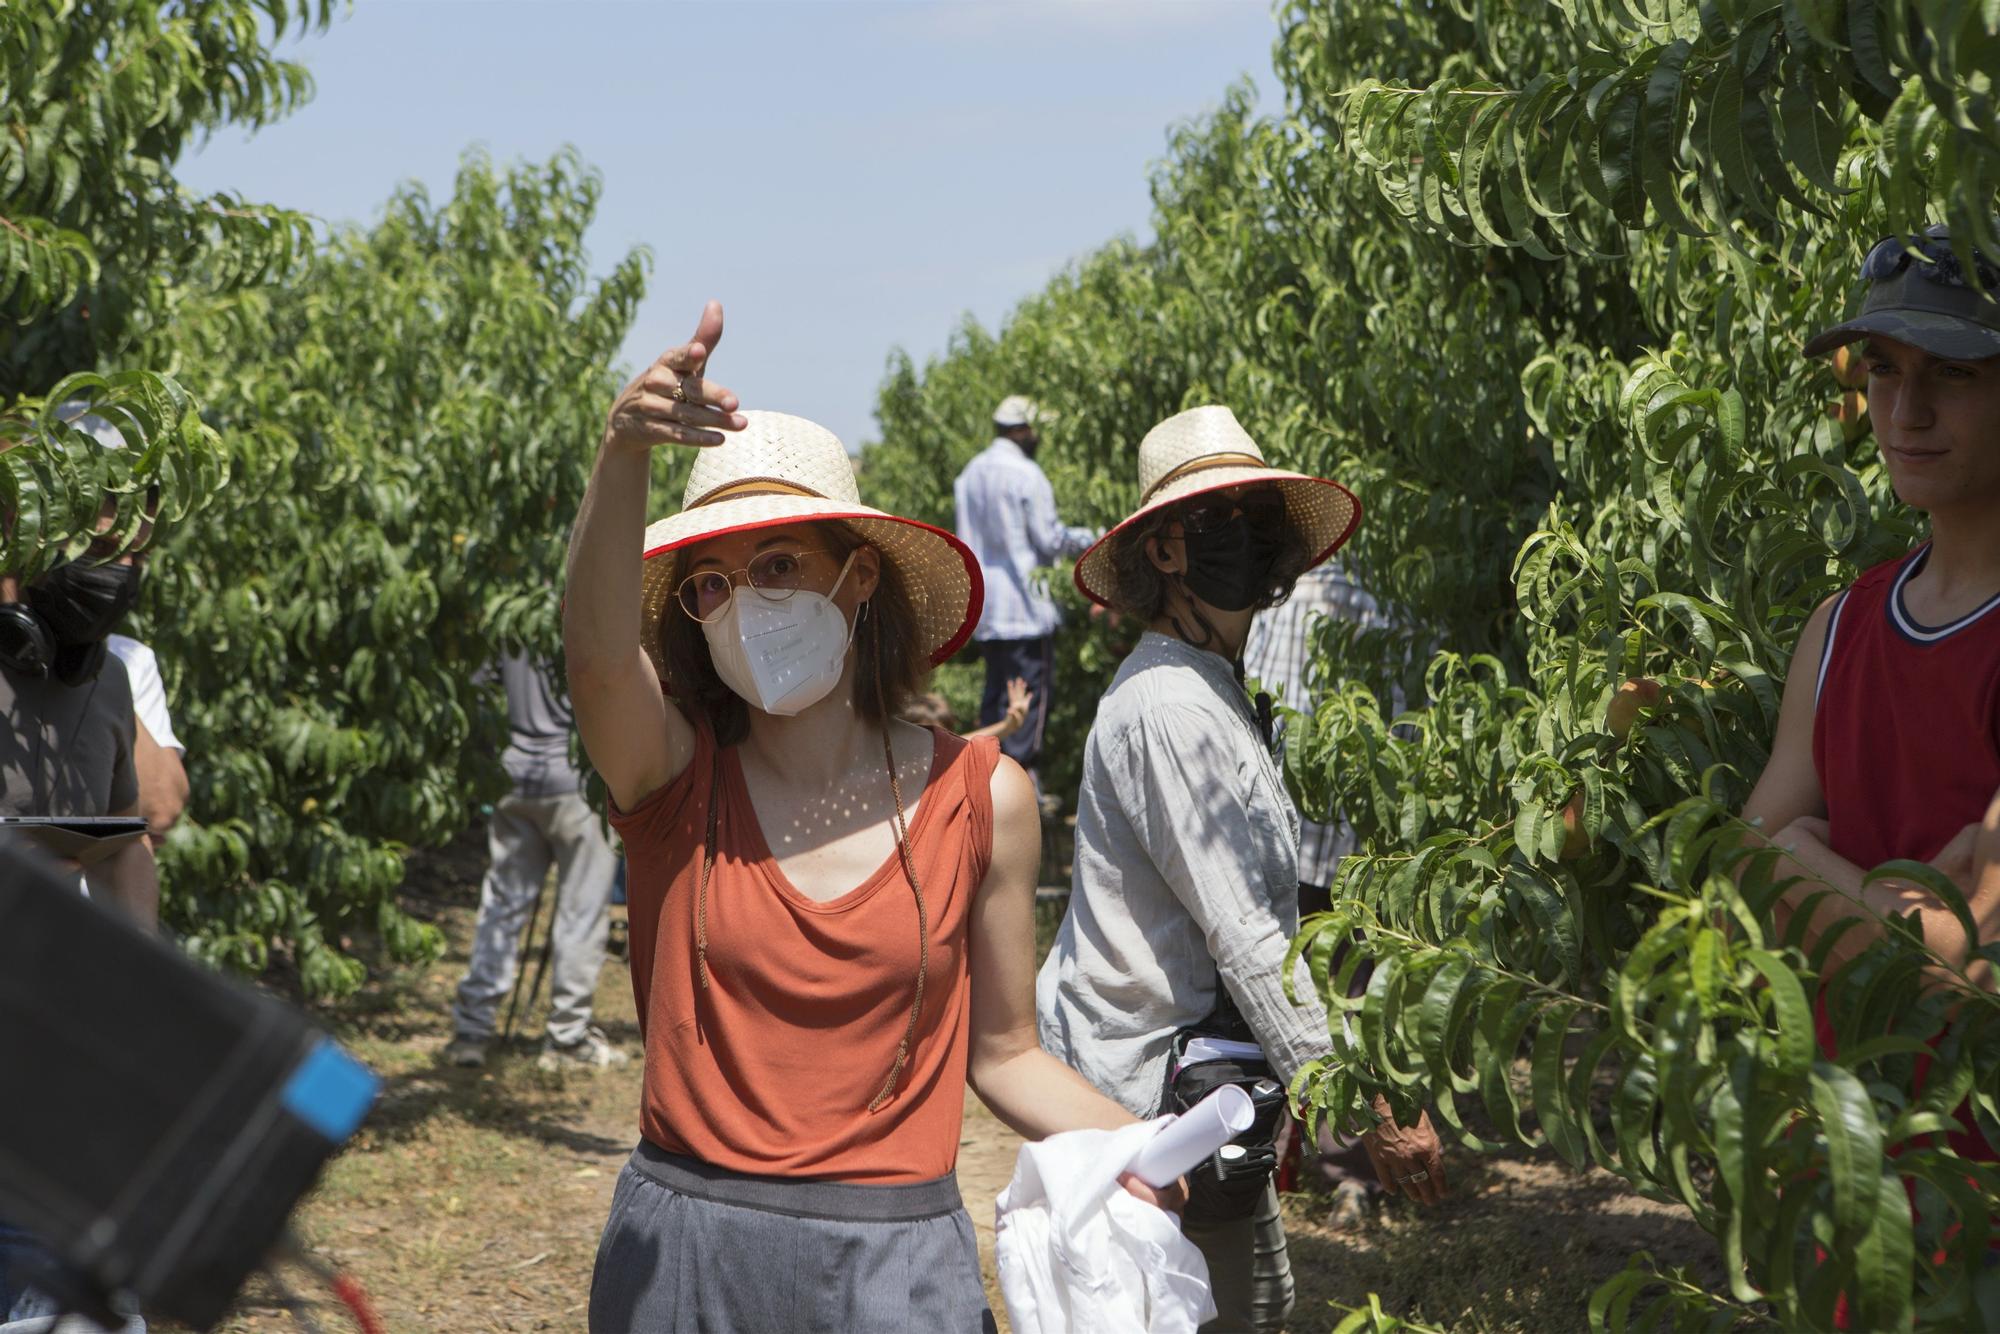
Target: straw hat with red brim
1206,449
783,470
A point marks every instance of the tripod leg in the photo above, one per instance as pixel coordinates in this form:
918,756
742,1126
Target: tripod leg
521,962
548,946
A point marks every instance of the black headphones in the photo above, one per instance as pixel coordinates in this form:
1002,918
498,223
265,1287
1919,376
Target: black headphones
27,645
30,647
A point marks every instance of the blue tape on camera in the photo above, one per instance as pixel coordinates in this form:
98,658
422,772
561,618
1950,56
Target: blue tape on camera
330,1091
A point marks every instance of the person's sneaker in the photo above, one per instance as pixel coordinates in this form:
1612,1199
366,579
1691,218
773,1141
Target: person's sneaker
1352,1205
466,1052
592,1051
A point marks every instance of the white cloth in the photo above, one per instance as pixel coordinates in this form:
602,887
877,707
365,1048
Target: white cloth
149,692
1006,512
1079,1254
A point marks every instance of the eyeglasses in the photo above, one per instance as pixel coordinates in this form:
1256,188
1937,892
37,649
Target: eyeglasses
1264,507
775,575
1935,258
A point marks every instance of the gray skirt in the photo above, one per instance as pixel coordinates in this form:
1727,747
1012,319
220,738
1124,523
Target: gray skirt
694,1249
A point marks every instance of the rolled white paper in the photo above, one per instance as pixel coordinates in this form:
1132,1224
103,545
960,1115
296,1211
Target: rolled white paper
1193,1135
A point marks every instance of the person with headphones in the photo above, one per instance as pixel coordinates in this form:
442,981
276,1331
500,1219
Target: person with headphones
67,737
67,724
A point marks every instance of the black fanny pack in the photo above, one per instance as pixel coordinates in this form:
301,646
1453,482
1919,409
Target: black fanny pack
1229,1182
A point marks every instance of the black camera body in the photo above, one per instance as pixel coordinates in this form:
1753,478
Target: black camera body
161,1121
1229,1183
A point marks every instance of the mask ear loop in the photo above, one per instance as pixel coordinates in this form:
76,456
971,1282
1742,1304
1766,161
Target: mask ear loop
1209,635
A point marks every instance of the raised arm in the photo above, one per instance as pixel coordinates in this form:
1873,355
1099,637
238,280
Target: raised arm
636,738
1051,538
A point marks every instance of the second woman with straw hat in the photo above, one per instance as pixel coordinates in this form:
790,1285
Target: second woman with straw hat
1184,891
831,909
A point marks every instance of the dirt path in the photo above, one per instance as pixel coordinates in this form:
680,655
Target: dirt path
472,1201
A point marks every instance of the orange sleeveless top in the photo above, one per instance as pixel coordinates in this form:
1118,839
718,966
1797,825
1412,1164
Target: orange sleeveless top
771,1068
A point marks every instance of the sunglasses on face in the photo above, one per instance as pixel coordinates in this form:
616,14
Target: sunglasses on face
1936,260
775,575
1264,507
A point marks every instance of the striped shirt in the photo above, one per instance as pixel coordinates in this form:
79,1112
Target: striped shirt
1278,653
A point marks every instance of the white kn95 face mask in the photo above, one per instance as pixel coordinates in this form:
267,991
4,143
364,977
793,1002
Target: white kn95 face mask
782,657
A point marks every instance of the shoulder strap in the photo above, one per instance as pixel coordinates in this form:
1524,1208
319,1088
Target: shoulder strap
981,758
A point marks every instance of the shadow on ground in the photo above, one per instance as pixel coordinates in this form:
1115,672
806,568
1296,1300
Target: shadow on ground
1520,1244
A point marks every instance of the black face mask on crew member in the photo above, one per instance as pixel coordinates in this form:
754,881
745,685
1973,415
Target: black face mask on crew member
83,603
1229,566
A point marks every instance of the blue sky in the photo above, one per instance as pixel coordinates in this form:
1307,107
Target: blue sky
846,176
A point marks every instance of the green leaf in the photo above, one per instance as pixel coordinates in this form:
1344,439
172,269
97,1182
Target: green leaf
1662,136
1853,1148
1884,1257
1812,138
1793,1039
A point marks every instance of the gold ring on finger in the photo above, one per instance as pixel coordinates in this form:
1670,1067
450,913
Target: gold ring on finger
680,392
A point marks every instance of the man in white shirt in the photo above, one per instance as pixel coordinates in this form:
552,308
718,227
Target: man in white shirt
1007,515
156,750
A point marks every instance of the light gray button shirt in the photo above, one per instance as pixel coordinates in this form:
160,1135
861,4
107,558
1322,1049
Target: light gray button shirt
1187,858
1007,514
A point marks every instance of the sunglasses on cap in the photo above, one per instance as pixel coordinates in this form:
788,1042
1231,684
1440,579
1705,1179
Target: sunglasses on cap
1265,506
1935,260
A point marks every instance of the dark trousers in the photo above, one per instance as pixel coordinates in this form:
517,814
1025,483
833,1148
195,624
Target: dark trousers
1033,660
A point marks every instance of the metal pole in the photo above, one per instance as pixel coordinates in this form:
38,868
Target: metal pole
521,962
548,944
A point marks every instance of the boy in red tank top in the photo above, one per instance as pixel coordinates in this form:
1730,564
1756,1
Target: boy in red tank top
1888,742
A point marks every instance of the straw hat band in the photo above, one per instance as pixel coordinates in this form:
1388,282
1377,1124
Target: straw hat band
1203,464
754,486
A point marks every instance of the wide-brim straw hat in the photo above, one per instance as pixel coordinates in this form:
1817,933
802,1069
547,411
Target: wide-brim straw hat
782,469
1206,449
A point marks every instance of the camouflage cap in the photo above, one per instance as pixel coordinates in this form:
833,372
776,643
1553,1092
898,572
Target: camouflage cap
1923,299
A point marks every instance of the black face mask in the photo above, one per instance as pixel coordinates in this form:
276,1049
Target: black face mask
1229,566
78,663
84,603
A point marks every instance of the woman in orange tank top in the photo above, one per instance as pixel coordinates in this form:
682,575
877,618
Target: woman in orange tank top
831,910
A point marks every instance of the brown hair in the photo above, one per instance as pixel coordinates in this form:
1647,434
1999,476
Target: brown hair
1143,586
930,710
890,665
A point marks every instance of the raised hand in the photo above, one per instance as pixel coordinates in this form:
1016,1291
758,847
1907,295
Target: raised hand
1018,699
672,402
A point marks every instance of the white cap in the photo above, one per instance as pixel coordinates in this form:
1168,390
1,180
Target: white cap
1020,410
